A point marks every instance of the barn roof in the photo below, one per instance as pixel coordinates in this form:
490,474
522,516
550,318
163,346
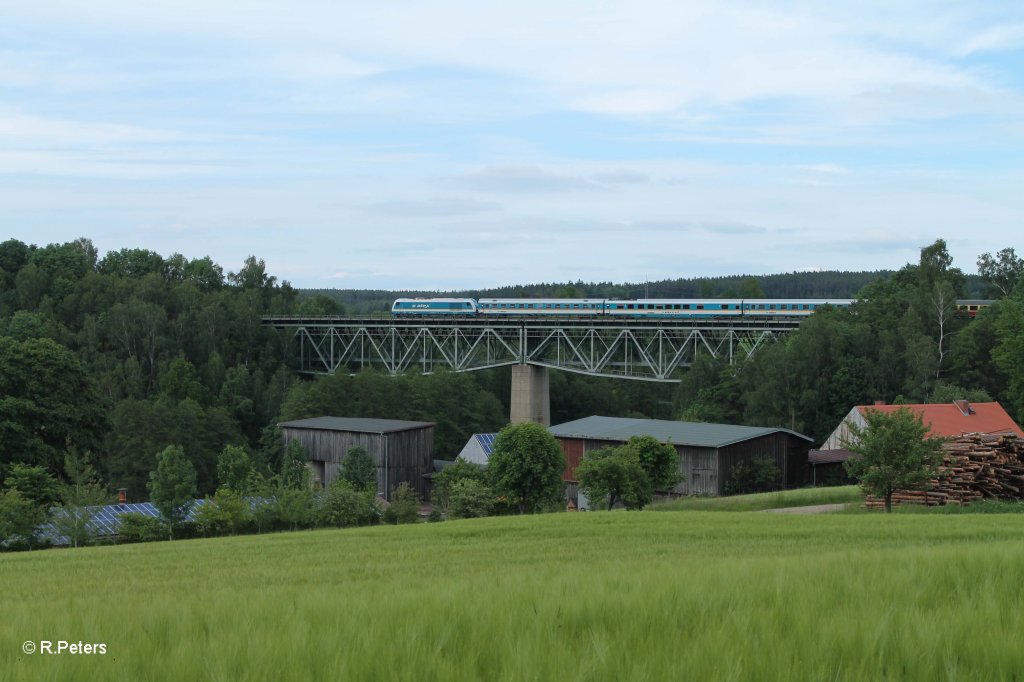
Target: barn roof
695,434
486,441
355,424
958,417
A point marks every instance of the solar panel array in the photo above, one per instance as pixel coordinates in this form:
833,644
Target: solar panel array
106,520
486,441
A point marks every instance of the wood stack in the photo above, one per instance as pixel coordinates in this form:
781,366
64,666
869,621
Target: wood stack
975,466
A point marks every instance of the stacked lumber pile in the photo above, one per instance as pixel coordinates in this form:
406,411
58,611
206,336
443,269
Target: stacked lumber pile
975,466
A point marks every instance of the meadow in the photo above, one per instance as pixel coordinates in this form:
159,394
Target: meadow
801,497
586,596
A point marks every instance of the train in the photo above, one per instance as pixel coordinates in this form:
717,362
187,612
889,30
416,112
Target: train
971,307
640,308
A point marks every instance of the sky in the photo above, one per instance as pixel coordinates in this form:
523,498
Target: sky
450,145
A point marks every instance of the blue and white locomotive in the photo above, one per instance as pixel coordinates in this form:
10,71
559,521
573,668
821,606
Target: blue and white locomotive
434,306
641,308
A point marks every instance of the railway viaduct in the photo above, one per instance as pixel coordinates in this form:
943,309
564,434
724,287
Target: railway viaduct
638,349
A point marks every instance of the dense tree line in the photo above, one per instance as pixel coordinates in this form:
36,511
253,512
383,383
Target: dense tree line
123,355
824,284
115,358
903,341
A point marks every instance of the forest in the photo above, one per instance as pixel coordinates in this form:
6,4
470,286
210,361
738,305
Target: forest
116,357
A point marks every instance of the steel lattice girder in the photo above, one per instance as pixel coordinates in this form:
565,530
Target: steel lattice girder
651,352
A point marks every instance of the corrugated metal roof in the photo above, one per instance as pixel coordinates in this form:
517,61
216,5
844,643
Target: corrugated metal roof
356,424
695,434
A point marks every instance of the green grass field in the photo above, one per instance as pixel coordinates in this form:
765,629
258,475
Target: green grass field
588,596
802,497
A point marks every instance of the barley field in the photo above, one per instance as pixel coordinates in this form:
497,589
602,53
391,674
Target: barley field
587,596
801,497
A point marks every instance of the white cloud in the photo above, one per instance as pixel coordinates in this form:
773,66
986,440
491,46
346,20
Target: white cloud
995,38
626,139
23,130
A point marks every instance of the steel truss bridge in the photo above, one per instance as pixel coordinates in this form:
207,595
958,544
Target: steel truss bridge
648,350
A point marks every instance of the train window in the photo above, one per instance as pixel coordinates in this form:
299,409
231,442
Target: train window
771,306
675,306
700,306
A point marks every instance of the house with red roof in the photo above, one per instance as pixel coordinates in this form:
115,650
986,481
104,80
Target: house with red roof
943,419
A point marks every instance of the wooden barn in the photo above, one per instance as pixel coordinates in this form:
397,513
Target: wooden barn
402,450
708,452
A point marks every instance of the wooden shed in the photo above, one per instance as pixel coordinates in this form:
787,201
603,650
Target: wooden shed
402,450
708,452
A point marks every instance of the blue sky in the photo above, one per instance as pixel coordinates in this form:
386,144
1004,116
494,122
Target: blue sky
455,145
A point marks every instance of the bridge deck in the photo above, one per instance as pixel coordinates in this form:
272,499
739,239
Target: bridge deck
657,349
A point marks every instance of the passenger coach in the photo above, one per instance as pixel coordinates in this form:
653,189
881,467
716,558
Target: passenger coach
542,306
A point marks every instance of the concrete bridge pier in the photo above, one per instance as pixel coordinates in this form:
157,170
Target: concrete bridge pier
531,400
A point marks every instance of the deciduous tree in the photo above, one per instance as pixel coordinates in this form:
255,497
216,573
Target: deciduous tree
660,461
526,467
35,483
233,467
895,451
20,519
172,486
80,499
613,474
1001,273
359,469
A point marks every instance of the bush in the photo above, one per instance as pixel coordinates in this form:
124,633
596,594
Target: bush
20,520
754,476
405,505
228,513
296,508
470,499
140,528
341,506
444,481
359,469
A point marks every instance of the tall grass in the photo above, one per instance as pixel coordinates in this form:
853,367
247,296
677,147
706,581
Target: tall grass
804,497
597,596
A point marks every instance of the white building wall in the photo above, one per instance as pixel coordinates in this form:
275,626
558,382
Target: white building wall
842,432
473,452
